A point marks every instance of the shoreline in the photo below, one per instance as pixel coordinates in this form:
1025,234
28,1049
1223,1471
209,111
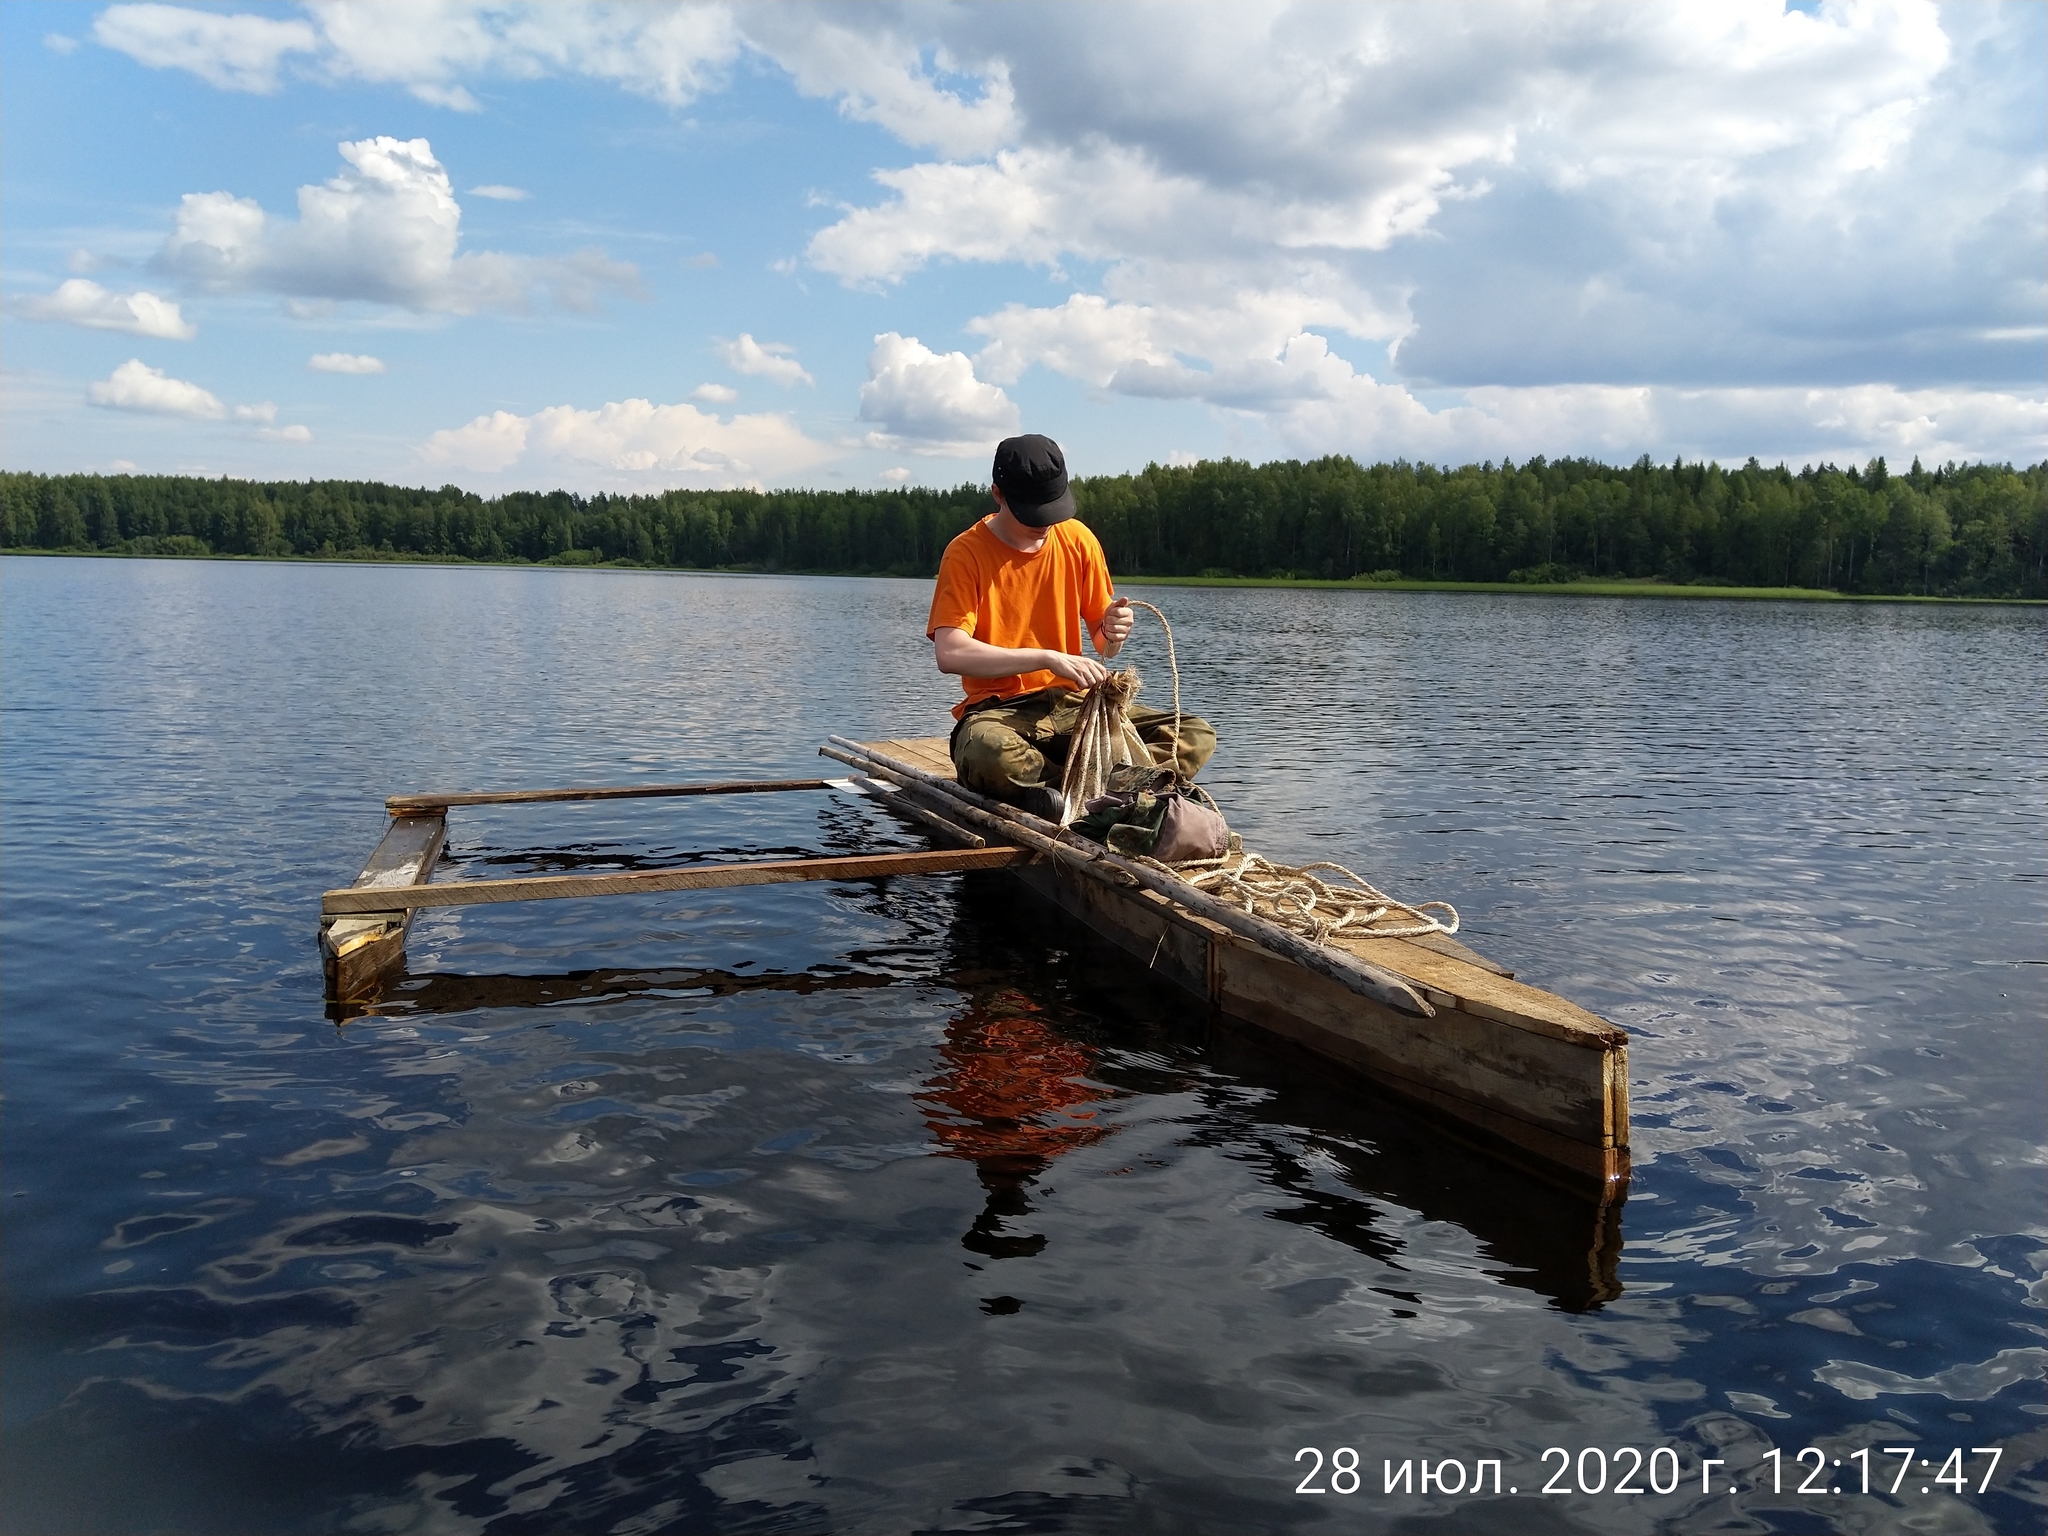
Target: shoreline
1612,587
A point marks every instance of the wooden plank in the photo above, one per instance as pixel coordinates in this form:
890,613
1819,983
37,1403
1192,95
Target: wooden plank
689,878
432,803
1444,944
358,951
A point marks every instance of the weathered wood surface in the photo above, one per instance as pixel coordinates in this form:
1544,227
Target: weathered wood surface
1360,975
433,803
357,950
1519,1065
688,878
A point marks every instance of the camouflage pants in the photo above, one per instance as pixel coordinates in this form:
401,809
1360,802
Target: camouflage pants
1003,746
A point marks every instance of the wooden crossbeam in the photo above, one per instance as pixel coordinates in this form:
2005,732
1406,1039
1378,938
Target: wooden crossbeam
466,893
431,804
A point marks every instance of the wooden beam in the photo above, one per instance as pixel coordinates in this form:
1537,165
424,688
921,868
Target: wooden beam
466,893
435,804
357,951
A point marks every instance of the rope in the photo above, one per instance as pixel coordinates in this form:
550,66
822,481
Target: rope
1295,898
1290,895
1173,662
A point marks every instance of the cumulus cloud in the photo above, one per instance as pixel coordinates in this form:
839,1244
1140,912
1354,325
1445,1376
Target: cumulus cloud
628,443
715,394
500,194
345,362
80,301
385,230
1691,197
135,386
928,402
774,360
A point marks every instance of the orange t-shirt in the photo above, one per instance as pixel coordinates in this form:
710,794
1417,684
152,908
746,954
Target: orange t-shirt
1005,597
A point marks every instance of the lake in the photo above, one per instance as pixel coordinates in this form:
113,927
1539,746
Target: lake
909,1205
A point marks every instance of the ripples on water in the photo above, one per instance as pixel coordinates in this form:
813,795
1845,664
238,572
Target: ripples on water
884,1207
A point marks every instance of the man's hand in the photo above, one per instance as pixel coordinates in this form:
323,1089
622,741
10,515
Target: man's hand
1076,669
1117,622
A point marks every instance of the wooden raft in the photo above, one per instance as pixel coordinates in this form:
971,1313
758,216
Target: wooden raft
363,928
1517,1064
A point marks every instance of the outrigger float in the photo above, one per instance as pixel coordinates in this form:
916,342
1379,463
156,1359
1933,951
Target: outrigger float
1520,1070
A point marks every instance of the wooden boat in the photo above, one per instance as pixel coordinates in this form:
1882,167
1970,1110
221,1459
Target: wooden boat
1514,1068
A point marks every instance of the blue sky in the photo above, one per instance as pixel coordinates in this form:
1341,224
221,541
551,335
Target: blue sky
628,247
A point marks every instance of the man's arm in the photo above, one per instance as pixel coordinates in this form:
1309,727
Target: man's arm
964,656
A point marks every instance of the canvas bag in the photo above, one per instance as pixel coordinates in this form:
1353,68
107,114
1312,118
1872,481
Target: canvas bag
1147,814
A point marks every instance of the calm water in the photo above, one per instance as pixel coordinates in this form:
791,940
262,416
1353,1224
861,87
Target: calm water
906,1206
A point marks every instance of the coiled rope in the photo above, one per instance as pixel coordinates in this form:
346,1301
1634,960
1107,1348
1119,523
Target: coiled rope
1293,896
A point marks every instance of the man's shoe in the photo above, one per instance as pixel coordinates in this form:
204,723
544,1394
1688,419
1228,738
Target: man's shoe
1043,800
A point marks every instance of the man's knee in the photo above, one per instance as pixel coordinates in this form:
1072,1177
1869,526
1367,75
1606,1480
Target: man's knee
992,758
1191,748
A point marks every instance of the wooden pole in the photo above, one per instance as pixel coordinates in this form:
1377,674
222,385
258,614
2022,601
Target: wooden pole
467,893
434,804
1360,976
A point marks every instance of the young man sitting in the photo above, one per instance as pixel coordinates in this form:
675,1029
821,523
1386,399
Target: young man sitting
1013,594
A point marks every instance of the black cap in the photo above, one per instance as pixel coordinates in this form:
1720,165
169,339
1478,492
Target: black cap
1031,472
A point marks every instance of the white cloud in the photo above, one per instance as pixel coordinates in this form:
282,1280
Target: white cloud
384,230
235,53
628,443
715,394
135,386
877,65
1687,194
500,194
669,52
59,42
1849,425
773,360
894,476
80,301
931,403
874,63
345,362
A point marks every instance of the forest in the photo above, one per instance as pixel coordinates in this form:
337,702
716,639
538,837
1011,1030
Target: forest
1971,530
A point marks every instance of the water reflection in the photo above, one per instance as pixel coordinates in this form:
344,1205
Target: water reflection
1012,1096
404,994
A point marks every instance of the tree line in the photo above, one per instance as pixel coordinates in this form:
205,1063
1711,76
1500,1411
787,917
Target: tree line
1961,530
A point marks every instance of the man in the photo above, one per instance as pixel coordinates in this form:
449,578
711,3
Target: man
1013,595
